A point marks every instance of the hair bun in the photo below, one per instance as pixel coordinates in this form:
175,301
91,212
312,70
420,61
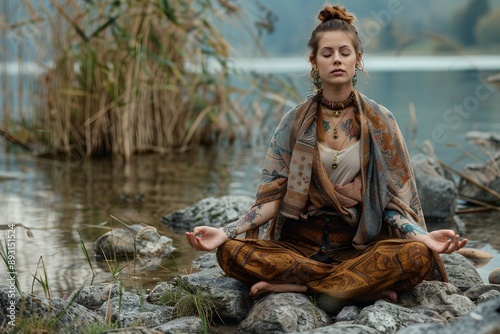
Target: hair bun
335,13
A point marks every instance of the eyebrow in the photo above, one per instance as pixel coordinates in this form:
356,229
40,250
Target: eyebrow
340,48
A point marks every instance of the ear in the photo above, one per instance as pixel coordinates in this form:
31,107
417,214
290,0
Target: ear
359,57
313,62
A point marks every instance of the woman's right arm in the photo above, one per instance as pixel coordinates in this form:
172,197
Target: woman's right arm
208,238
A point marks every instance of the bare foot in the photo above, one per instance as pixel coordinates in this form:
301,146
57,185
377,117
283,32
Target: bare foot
388,295
262,287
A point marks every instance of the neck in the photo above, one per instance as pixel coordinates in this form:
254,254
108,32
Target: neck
337,94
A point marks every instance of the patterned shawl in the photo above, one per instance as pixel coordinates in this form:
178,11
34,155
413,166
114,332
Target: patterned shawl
293,174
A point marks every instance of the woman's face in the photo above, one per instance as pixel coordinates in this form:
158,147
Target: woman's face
336,59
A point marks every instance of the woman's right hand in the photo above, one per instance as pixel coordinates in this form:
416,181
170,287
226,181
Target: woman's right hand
206,238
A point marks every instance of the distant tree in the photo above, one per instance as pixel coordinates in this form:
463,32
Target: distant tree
466,18
488,29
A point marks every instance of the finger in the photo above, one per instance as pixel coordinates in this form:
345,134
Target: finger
189,237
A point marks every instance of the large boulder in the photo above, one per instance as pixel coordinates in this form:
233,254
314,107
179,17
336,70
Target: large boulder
436,189
461,271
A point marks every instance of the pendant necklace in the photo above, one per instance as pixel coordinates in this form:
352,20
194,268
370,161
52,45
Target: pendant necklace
335,163
335,133
337,106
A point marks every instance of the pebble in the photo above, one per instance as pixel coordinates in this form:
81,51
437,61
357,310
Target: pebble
494,277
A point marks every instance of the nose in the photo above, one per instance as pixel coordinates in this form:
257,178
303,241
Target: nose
336,58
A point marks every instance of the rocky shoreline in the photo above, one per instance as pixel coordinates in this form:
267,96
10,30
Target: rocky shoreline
465,304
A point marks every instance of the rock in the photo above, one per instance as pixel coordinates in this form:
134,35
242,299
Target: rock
182,325
283,313
461,271
130,309
494,276
488,140
492,294
390,318
342,328
348,313
484,319
481,173
92,297
474,254
229,296
132,241
477,291
72,317
442,298
437,191
133,330
216,212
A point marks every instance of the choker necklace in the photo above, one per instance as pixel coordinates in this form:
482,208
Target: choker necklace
336,106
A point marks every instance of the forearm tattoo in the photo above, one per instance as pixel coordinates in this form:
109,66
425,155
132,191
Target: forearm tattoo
232,230
397,220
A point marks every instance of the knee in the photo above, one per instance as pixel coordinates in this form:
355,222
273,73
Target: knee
225,251
418,256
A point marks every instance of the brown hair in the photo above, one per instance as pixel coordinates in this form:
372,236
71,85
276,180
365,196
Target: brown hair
333,18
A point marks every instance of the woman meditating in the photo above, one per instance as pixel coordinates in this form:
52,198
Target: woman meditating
337,210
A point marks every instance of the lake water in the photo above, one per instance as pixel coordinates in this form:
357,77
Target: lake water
61,200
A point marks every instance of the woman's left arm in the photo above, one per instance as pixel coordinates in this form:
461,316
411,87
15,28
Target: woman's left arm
441,241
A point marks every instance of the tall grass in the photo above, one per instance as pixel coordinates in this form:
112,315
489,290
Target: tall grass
134,76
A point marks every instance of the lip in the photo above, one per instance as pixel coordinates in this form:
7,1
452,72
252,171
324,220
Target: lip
337,71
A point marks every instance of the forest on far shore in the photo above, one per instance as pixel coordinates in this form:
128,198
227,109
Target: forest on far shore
385,26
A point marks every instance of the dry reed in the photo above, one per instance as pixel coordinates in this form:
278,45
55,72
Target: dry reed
136,76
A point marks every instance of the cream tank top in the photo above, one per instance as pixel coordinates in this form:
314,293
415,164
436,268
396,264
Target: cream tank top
349,165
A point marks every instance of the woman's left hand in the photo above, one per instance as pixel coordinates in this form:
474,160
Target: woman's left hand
441,241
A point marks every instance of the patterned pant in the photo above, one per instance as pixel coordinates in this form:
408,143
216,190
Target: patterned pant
349,273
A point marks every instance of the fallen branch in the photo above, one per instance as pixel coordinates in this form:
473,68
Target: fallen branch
474,182
14,140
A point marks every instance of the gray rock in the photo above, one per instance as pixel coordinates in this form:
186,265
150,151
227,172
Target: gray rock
182,325
283,313
342,328
437,191
348,313
443,298
481,173
229,296
216,212
475,292
133,330
92,297
389,318
461,271
72,317
492,294
131,309
132,241
484,319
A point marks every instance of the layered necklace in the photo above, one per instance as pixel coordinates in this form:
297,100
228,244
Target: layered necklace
335,136
337,107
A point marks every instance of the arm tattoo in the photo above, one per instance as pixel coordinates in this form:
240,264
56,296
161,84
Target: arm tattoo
397,220
232,230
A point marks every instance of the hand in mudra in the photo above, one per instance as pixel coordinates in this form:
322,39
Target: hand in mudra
441,241
206,238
